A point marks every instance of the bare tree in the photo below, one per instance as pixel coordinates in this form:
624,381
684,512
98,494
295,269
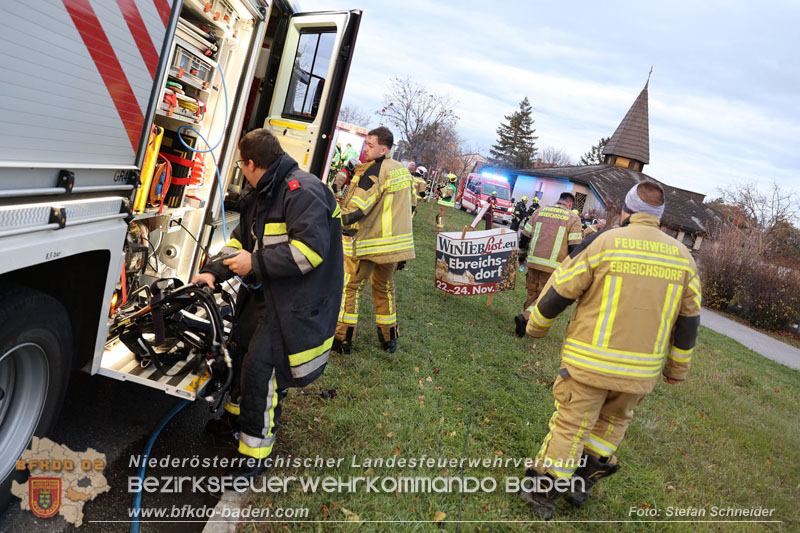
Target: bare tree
419,116
555,156
595,155
354,115
762,210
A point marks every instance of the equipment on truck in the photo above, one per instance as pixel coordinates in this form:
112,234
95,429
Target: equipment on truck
133,193
178,329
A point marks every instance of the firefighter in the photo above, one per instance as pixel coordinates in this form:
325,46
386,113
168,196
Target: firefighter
376,216
552,232
488,217
342,179
639,308
520,208
290,260
600,225
350,154
447,195
531,210
418,189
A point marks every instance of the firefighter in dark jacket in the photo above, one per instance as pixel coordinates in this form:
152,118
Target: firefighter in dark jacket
489,215
520,211
290,260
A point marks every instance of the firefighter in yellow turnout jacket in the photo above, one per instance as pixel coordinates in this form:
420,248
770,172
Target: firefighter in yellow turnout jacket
447,196
377,234
551,233
637,317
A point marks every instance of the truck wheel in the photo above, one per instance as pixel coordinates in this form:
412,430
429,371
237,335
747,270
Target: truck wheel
35,365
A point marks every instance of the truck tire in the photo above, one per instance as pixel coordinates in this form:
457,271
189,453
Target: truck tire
35,365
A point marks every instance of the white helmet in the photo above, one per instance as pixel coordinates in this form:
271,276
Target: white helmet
421,171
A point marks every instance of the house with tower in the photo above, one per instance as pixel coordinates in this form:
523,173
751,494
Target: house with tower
600,189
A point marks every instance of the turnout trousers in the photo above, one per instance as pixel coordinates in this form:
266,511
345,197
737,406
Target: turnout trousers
381,279
259,384
535,280
443,210
586,419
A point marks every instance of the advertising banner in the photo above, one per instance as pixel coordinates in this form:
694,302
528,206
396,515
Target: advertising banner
482,262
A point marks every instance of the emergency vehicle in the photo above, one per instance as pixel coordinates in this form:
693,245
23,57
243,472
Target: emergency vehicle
119,125
478,188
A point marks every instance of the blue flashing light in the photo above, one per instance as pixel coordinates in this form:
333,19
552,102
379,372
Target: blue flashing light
494,176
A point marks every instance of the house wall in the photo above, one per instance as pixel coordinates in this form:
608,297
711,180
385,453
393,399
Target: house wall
551,188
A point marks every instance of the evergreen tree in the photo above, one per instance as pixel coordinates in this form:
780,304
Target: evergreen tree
595,155
516,143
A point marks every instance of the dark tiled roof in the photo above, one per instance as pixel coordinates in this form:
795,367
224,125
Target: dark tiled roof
684,211
632,138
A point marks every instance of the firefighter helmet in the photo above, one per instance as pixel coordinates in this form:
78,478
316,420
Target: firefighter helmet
524,198
452,178
421,171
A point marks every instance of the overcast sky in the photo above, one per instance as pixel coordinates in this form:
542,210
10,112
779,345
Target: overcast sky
724,93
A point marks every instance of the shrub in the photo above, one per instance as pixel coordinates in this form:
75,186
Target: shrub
725,261
770,296
733,271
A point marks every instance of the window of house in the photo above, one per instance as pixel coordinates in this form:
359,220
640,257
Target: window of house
311,62
580,201
622,162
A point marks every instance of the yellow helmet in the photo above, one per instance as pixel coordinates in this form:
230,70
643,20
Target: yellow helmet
452,178
524,198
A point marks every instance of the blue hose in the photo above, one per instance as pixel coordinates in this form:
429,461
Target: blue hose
137,498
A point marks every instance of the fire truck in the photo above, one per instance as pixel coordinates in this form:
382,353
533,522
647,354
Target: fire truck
119,125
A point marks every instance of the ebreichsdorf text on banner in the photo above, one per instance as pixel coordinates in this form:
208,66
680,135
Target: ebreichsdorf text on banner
482,262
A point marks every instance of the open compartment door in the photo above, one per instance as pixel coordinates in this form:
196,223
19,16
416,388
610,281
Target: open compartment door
310,85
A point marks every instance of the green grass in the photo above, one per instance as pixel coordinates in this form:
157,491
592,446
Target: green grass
729,436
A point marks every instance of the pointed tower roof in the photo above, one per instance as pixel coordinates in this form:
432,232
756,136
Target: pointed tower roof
632,138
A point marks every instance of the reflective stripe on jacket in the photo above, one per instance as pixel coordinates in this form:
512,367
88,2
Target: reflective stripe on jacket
448,195
639,305
379,203
551,229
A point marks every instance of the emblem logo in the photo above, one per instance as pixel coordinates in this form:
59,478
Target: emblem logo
44,496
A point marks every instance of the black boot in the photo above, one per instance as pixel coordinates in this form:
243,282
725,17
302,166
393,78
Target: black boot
223,429
591,473
542,502
390,345
342,347
247,467
519,325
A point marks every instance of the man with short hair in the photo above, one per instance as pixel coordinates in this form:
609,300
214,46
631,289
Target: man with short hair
600,225
377,235
551,232
638,313
289,256
350,154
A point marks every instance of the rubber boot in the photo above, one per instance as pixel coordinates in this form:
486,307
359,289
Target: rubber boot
342,347
223,429
390,345
542,503
247,467
591,473
519,325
